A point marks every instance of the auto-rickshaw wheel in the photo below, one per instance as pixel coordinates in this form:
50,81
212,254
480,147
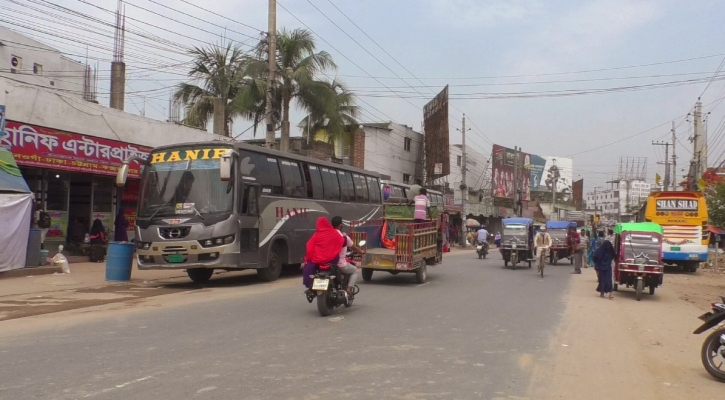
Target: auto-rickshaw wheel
367,274
505,263
571,260
652,290
639,289
615,287
529,263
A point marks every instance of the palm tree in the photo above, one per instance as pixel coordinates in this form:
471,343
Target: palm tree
297,64
331,106
219,72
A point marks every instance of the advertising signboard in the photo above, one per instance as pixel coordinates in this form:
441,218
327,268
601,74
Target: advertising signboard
36,146
435,121
502,173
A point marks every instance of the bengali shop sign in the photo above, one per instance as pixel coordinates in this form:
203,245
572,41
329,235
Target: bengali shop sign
36,146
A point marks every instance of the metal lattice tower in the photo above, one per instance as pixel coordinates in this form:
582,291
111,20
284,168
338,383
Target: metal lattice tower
632,168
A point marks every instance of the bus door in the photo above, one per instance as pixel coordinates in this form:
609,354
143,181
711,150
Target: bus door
249,224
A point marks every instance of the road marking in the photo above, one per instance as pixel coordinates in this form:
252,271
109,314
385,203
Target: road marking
120,386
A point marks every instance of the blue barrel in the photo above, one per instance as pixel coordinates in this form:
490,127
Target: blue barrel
119,261
32,254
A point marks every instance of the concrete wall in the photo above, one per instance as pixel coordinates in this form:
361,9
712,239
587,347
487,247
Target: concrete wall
476,165
53,109
58,72
385,150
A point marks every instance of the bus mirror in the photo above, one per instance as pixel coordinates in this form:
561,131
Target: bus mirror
225,166
121,175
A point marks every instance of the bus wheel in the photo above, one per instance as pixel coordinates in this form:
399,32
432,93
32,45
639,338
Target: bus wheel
693,266
367,274
274,265
200,274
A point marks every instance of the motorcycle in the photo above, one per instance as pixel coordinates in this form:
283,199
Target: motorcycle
713,349
482,249
329,286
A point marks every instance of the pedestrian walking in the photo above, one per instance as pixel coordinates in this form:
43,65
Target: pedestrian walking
603,258
42,221
497,239
98,239
577,252
120,233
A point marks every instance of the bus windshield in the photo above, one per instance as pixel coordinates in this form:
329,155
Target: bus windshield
191,187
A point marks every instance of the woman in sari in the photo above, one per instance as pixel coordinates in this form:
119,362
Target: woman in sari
603,258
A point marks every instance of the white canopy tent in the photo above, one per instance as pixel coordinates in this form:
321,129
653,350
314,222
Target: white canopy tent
16,205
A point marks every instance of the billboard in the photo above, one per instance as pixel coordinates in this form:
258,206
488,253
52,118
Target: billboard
537,171
502,173
558,173
435,122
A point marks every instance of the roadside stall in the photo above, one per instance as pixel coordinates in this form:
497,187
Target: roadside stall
16,207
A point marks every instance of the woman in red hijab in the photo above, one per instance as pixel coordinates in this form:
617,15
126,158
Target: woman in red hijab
322,248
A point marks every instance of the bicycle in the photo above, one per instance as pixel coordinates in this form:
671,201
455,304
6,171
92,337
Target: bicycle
541,257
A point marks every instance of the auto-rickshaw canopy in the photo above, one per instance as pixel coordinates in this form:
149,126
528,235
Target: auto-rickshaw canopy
560,224
638,227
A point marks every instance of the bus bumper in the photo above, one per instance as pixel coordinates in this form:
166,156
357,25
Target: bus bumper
187,254
683,256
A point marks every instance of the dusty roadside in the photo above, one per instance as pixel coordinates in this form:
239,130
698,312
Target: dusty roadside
624,348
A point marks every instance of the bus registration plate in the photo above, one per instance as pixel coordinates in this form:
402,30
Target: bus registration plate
675,248
320,284
176,258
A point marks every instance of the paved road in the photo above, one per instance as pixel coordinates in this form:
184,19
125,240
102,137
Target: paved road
474,330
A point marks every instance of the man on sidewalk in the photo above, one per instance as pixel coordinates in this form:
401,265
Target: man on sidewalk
577,250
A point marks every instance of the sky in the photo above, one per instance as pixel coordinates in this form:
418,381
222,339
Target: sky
595,80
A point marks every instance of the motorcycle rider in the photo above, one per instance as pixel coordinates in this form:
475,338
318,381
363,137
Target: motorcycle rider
322,248
542,242
482,237
345,267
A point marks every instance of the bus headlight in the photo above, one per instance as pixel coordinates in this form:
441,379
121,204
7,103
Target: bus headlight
217,241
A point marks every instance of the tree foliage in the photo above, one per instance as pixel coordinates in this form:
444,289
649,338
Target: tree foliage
240,81
715,197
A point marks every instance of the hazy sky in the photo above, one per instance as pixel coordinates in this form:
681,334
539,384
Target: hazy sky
508,64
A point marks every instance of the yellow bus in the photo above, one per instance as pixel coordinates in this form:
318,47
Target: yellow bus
683,217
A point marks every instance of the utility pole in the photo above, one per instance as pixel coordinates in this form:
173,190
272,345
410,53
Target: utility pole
554,215
516,181
666,163
464,188
272,66
697,146
674,159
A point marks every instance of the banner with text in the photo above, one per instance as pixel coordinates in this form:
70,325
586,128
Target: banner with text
36,146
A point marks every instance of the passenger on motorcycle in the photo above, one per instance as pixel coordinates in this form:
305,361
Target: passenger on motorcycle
482,236
345,267
322,248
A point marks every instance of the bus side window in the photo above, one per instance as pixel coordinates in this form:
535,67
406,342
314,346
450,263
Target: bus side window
263,170
347,194
316,182
331,185
361,189
350,185
293,186
374,188
250,204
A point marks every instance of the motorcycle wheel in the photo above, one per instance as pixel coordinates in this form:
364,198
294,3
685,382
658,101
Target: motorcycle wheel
479,256
324,304
639,289
711,355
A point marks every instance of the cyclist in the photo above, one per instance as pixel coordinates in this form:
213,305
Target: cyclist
542,244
